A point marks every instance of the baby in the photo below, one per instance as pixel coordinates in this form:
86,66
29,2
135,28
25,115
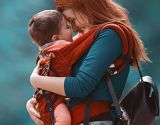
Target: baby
50,29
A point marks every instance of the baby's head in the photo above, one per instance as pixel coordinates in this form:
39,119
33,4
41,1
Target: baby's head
49,25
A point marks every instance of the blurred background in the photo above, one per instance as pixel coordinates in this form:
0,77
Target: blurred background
17,53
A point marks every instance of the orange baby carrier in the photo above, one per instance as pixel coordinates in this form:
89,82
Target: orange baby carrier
65,55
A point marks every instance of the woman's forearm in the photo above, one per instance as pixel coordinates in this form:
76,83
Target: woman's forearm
52,84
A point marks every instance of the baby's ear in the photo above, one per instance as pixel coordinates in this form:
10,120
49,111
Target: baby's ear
54,37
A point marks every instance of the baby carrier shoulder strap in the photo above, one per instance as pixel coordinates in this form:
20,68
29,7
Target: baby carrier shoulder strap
127,47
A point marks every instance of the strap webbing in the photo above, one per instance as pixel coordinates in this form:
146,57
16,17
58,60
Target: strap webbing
49,105
114,97
87,112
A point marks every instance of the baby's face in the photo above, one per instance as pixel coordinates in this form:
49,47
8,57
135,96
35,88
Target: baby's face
66,30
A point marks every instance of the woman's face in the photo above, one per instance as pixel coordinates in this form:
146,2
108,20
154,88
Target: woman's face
78,21
65,30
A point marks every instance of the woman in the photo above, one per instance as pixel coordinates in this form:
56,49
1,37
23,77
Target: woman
88,72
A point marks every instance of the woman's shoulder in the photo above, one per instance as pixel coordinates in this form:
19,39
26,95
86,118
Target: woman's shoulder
108,39
110,33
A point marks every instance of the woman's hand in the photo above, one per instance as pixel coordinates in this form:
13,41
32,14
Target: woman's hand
35,116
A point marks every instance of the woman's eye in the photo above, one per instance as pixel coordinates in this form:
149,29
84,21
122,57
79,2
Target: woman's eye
71,20
68,26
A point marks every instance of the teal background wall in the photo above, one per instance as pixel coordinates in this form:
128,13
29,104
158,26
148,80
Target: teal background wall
17,53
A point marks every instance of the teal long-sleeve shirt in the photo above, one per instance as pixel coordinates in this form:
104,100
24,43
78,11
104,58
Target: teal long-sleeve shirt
87,72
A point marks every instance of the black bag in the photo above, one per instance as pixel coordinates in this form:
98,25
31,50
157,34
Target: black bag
142,102
140,106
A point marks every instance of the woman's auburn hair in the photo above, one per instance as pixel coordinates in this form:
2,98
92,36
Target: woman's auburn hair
102,11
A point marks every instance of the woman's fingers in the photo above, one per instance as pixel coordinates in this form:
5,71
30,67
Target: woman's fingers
32,101
38,64
33,112
31,107
36,69
37,121
35,116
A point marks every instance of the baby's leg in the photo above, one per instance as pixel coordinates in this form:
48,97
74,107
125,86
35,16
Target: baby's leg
62,115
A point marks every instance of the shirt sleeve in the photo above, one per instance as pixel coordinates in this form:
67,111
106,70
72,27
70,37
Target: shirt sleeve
101,55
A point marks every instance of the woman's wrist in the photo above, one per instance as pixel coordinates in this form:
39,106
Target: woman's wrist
34,78
52,84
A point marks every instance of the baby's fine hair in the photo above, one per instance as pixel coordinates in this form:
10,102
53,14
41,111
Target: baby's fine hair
44,25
